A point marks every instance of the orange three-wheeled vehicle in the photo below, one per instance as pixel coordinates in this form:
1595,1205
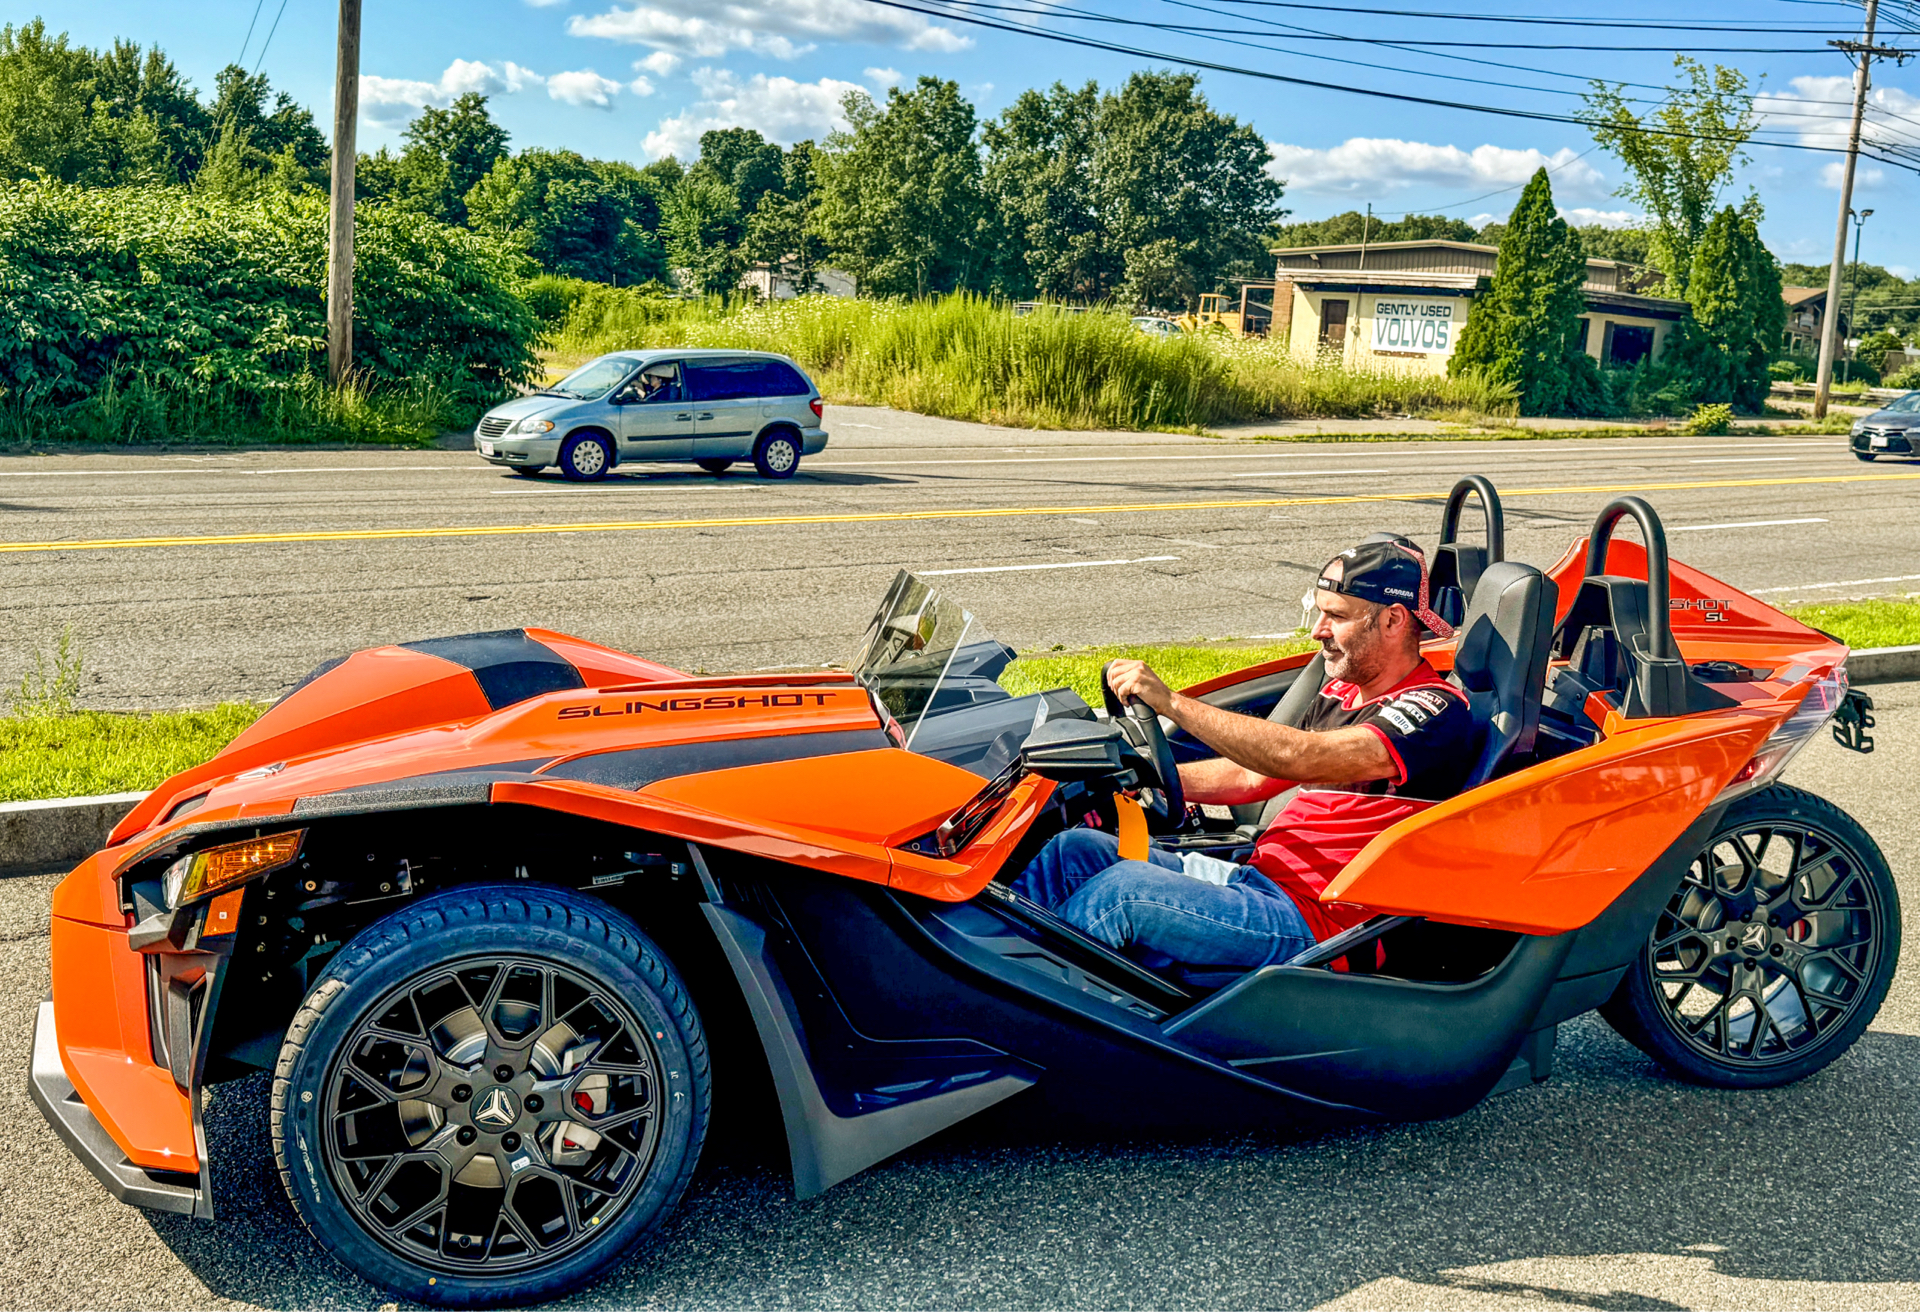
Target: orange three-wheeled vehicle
490,907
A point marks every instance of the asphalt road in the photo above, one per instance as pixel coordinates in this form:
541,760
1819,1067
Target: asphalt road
1609,1186
1072,538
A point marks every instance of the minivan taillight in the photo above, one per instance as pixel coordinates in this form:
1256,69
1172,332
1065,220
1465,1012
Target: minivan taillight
819,409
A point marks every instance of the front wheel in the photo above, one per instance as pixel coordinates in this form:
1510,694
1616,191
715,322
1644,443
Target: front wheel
490,1096
777,455
1775,952
586,457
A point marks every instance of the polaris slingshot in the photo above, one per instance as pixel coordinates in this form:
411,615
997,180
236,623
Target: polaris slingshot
486,906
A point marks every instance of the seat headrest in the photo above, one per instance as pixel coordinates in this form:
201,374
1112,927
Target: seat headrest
1502,625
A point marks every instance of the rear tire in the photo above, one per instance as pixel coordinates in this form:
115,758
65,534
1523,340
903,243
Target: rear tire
491,1096
777,455
586,457
1773,955
715,466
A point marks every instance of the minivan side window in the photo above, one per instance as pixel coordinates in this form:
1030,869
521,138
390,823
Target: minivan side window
743,380
659,383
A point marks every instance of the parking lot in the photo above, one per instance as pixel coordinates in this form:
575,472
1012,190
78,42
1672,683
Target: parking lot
189,578
1610,1186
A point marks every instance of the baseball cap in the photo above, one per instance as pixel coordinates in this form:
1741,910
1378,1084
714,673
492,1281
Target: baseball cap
1391,571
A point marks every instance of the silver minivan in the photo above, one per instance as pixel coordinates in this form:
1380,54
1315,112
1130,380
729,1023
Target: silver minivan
710,407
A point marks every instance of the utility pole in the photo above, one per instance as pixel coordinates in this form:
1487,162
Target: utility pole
346,119
1864,50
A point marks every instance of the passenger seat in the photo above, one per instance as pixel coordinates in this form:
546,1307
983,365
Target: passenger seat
1500,662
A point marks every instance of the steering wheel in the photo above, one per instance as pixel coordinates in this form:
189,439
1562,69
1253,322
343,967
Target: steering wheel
1142,728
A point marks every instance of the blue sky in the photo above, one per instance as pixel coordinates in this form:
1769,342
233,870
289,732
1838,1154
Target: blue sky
636,79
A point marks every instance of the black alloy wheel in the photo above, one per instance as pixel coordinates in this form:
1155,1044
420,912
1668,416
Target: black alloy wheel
490,1096
1773,955
777,455
715,466
586,457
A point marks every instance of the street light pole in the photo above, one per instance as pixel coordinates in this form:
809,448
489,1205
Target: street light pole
1853,280
346,119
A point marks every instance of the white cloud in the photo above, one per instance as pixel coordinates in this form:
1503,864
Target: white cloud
778,107
1374,166
585,87
661,63
1864,175
1819,110
782,29
882,77
389,101
1581,216
640,86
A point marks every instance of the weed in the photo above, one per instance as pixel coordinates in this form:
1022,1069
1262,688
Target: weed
48,694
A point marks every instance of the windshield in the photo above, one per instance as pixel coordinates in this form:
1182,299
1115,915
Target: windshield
1906,405
920,649
593,380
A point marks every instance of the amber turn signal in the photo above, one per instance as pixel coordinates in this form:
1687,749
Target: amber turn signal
194,877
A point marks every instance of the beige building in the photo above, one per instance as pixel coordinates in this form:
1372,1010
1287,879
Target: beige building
1402,304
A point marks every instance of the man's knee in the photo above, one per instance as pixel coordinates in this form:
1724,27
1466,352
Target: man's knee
1083,847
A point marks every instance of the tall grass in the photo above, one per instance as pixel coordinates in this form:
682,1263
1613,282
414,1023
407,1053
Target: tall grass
965,357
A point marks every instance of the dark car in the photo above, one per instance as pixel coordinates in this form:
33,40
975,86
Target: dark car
1888,431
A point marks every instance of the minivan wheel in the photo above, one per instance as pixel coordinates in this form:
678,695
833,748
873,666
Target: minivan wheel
490,1096
777,455
586,457
715,466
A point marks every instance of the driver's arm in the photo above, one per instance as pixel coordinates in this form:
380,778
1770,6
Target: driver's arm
1261,758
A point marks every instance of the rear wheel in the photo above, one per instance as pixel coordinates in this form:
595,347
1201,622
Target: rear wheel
586,457
490,1096
1775,952
715,466
777,455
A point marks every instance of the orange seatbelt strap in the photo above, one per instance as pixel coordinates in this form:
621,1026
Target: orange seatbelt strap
1132,828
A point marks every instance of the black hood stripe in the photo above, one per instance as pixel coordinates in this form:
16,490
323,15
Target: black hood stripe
637,767
510,666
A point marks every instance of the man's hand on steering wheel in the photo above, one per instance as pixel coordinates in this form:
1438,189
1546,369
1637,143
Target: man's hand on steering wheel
1134,681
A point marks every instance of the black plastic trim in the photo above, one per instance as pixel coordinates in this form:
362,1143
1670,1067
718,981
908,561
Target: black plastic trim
509,666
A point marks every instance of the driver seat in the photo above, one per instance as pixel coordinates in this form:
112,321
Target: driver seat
1500,663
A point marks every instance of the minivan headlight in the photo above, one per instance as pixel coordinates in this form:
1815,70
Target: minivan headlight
1821,702
534,426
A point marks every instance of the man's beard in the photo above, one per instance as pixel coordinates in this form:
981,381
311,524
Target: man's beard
1357,664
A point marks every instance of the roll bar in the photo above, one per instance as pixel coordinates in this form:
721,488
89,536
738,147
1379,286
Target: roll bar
1490,509
1661,645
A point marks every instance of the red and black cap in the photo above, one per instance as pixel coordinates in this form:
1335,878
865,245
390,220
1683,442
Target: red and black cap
1390,571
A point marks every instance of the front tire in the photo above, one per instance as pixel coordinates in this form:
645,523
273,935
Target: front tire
491,1096
586,457
1774,954
777,455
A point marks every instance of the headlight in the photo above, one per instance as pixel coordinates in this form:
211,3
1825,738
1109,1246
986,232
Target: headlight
193,877
1822,700
534,426
1858,424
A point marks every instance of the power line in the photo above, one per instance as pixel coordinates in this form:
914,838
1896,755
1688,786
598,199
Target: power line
242,61
1267,76
269,41
1631,23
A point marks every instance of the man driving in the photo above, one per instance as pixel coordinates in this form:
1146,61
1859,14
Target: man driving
1386,738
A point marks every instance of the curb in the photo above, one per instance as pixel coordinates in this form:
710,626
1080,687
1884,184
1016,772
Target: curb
36,837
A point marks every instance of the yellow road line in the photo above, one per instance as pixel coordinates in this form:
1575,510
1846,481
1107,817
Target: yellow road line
892,516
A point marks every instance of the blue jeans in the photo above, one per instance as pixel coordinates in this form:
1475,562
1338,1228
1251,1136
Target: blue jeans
1164,906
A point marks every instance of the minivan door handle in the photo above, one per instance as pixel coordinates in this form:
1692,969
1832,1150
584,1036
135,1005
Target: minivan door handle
685,416
706,414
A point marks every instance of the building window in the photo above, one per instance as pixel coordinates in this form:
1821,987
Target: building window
1333,325
1627,345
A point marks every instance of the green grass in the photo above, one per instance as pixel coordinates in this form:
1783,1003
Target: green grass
84,753
965,357
1880,622
1181,665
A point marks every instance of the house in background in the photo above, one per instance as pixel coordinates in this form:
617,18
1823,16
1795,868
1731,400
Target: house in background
1403,303
1806,311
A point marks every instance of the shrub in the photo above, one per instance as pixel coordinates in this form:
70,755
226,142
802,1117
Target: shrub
148,310
1709,421
1907,378
1789,370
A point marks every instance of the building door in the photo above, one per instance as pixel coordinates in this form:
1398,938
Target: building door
1333,325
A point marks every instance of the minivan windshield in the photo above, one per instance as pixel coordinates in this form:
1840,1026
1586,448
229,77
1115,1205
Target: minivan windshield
593,380
918,639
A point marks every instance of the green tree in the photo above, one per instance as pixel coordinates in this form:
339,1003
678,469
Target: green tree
703,229
745,161
1522,331
1679,158
780,231
1346,229
1873,349
571,215
447,152
131,85
1769,313
1738,315
1184,191
46,106
901,206
1039,179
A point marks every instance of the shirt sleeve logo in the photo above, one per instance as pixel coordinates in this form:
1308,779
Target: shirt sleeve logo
1397,720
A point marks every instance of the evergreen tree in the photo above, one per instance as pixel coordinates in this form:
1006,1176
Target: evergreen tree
1521,332
1738,316
1769,313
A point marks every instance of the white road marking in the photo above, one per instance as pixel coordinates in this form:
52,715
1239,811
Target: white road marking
1064,564
1742,460
1078,519
1304,473
1189,542
1743,523
318,469
1847,583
